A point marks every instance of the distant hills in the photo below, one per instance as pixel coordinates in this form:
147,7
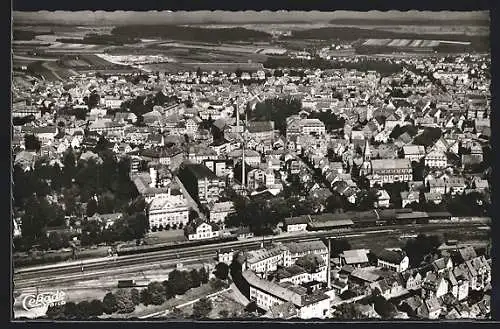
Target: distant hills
240,17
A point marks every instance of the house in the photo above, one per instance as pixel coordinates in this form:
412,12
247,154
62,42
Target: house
411,305
437,186
356,258
106,220
383,199
437,198
434,285
412,280
430,308
200,230
297,224
392,260
218,211
414,152
260,130
409,197
456,185
384,171
339,287
436,158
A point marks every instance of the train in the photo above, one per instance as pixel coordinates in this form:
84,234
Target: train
132,250
341,222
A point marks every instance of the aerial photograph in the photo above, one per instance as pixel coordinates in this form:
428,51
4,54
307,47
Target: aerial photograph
252,165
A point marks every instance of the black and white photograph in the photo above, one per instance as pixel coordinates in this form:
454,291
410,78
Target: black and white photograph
220,165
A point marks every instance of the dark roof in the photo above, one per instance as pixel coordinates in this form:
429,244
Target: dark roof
390,256
199,171
260,126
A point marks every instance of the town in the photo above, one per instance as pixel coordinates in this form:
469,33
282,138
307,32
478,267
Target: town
289,190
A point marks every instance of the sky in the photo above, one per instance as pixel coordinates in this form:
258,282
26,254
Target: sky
186,17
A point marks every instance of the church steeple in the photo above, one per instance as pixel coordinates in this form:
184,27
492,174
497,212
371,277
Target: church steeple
367,153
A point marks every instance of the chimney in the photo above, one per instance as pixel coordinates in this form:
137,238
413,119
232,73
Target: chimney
329,269
152,174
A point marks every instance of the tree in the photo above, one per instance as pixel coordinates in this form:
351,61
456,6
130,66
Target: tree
109,303
335,202
124,301
309,262
338,246
202,308
221,271
135,295
55,312
180,281
421,247
384,308
96,308
194,278
169,289
157,292
32,143
93,100
91,207
70,310
145,297
203,275
84,310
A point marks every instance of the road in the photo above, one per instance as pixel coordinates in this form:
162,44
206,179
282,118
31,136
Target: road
73,272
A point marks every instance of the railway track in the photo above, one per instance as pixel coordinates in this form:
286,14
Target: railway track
74,271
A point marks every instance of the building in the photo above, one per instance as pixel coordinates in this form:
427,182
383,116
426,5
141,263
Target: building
413,152
168,210
295,224
383,171
201,183
267,260
200,230
393,260
267,294
296,126
436,159
300,249
260,130
355,258
219,211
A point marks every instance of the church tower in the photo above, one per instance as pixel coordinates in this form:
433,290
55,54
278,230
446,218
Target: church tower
367,156
367,152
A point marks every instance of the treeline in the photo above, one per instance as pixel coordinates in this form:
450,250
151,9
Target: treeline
354,33
382,67
101,39
124,301
421,21
188,33
21,35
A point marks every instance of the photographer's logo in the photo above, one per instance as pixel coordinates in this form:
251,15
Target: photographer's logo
44,299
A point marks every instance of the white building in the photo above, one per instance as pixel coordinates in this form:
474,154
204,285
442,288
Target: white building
200,230
168,210
436,159
392,260
267,294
